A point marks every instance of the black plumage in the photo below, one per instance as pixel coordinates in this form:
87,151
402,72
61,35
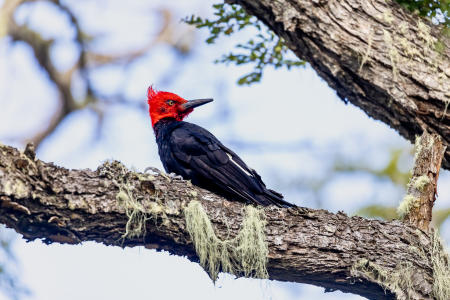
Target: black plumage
196,154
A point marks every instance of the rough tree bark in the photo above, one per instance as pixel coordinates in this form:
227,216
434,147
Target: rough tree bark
417,206
375,54
43,201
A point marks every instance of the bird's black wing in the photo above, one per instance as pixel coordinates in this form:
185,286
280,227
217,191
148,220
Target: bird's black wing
203,159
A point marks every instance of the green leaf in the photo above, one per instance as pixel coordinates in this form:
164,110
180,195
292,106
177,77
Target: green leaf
265,49
211,39
429,8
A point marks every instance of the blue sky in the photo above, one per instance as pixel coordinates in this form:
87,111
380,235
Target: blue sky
294,110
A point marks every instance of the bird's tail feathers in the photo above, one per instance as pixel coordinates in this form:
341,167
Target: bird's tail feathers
274,198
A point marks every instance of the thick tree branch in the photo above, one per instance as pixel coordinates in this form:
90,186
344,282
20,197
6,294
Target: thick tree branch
40,200
375,54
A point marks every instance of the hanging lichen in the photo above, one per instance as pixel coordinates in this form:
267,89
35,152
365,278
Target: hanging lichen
252,250
212,251
137,216
137,208
246,253
441,269
400,279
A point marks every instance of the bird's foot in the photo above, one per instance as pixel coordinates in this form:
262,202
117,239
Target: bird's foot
175,176
156,171
152,171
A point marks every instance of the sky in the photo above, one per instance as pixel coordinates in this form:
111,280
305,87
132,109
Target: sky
289,127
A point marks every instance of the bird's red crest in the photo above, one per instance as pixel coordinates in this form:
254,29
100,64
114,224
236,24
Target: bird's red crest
161,107
150,93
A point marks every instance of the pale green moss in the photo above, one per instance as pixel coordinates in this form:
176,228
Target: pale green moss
417,147
138,210
212,252
421,182
246,253
441,269
408,48
137,213
137,216
393,53
403,28
445,109
424,34
367,53
431,45
420,147
16,188
440,263
388,17
398,38
406,205
145,177
121,196
398,281
71,205
252,248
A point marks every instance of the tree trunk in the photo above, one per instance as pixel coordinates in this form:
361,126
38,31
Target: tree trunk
392,64
334,251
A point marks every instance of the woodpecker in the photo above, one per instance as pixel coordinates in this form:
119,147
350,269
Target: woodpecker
194,153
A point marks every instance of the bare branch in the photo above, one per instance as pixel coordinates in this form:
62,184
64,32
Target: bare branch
41,48
417,206
166,35
87,60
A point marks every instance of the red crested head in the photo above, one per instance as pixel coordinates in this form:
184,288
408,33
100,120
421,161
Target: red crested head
168,105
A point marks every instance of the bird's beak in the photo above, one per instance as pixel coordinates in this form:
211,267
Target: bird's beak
194,103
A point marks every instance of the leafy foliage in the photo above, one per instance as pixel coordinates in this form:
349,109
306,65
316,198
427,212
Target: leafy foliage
265,49
437,9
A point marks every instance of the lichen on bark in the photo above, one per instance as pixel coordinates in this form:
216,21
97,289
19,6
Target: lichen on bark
304,245
245,253
441,268
398,281
401,280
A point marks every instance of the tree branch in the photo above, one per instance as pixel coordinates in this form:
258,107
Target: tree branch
375,54
43,201
41,48
417,206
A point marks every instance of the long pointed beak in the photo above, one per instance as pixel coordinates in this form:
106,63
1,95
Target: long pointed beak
194,103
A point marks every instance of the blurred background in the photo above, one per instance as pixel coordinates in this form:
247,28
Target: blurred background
73,79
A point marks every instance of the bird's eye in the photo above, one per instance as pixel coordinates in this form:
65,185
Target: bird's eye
170,102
